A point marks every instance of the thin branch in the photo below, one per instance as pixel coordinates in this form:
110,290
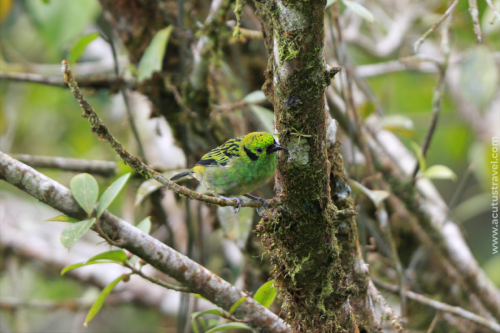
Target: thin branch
194,276
450,9
123,92
94,82
495,327
495,11
474,13
387,311
438,96
385,227
103,168
9,303
433,323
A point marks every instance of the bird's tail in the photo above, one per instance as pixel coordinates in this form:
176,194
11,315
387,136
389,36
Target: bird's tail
182,175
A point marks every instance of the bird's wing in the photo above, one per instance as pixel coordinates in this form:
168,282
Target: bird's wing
223,154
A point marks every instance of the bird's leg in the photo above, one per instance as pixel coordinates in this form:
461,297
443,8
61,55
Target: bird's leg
235,209
264,201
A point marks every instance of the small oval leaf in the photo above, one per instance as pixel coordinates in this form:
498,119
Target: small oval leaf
359,9
152,59
229,326
217,312
79,46
85,190
439,172
420,157
114,256
266,294
255,97
235,305
102,297
110,194
198,296
144,225
85,263
61,218
71,234
376,196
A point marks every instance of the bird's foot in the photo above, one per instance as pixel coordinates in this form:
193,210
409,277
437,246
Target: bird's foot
264,201
235,209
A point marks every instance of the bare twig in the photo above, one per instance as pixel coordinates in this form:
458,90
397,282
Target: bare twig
94,82
492,6
387,312
385,227
433,323
9,303
474,13
197,278
155,280
103,168
438,96
435,25
495,327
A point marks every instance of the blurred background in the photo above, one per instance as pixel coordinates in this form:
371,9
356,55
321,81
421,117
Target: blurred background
392,89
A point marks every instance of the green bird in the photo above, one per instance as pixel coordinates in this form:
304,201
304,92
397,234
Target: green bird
237,167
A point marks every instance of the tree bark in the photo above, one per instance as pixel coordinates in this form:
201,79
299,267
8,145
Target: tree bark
302,235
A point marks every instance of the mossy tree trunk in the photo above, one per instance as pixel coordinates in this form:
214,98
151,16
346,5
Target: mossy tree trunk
313,245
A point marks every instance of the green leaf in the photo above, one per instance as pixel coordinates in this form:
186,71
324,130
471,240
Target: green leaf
421,159
79,46
439,172
114,256
217,312
100,300
235,305
84,263
375,196
255,97
359,9
71,234
266,294
110,194
330,3
478,82
144,225
85,190
265,117
61,218
152,59
471,207
59,23
229,326
195,327
198,296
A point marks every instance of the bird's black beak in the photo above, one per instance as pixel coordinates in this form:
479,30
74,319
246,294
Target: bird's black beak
274,147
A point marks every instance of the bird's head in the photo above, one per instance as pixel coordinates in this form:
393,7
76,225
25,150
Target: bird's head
259,145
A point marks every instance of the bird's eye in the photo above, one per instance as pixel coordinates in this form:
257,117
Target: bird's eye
259,150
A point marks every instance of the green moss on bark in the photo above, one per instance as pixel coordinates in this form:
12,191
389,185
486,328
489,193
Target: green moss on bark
302,234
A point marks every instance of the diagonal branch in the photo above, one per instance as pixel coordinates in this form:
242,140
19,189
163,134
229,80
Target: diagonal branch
443,307
192,275
101,130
